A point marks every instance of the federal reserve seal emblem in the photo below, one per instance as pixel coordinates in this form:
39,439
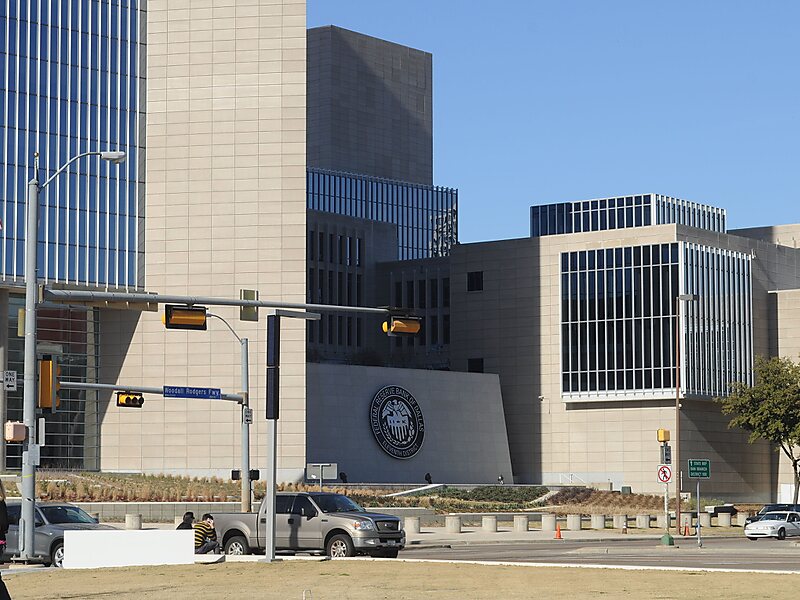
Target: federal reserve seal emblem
397,422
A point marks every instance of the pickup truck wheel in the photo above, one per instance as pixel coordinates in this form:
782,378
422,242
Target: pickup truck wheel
237,545
57,555
340,546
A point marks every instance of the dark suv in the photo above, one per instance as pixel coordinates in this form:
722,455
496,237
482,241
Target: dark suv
769,508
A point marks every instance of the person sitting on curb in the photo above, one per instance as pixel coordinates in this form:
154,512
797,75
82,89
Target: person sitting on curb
205,536
188,521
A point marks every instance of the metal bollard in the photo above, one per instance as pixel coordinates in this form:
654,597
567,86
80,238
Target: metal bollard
598,521
520,523
489,523
548,523
643,521
452,524
574,522
133,521
411,524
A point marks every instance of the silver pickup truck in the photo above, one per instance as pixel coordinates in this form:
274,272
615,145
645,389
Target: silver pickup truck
313,522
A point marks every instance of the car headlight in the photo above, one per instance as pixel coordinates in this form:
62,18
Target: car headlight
363,525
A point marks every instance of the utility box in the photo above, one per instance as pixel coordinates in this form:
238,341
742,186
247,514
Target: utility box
15,431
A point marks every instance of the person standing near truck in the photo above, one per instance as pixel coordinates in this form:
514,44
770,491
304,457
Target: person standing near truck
205,536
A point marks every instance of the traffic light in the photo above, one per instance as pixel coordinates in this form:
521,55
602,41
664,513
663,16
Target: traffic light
184,317
130,399
49,384
402,326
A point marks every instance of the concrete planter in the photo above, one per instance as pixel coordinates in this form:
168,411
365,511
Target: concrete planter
705,519
620,521
724,519
574,522
548,522
598,521
643,521
133,521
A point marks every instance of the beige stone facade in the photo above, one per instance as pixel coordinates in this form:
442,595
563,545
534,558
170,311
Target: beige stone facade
787,328
225,209
513,324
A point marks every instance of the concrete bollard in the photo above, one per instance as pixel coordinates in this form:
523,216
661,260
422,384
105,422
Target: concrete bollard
452,524
548,523
643,521
521,523
741,518
411,524
662,522
724,519
489,524
686,521
598,521
620,521
133,521
705,519
574,522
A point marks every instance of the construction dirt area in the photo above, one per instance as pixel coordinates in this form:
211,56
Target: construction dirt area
371,580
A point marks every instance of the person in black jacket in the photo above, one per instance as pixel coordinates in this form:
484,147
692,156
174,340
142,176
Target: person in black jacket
3,530
188,521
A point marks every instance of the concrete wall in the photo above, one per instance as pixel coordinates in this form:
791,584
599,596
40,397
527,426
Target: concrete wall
514,325
370,107
465,432
787,327
225,209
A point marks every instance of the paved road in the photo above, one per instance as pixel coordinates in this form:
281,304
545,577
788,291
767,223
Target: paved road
739,554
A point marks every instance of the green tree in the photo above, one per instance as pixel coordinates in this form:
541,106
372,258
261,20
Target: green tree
770,409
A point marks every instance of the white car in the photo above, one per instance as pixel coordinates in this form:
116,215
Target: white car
777,524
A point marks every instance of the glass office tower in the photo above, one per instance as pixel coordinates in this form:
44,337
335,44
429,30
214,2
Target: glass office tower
72,73
426,215
622,212
71,84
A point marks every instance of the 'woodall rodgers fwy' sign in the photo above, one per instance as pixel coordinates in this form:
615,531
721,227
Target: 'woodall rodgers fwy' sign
397,422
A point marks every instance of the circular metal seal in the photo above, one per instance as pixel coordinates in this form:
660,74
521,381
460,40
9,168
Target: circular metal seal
397,422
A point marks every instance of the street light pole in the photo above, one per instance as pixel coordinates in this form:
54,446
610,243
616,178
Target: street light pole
678,479
30,449
247,417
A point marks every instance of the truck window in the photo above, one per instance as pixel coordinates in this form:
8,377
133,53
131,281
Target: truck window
283,504
303,507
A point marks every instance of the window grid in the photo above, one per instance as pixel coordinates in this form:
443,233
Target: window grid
623,212
426,216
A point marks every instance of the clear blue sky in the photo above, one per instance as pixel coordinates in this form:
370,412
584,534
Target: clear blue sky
538,102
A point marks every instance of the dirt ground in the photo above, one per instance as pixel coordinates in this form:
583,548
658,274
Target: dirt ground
367,580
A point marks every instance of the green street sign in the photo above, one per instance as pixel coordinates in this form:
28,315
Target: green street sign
699,468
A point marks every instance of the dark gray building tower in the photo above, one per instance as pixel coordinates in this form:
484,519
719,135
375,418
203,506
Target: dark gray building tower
369,106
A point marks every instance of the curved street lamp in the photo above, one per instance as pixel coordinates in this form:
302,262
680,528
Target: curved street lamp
30,449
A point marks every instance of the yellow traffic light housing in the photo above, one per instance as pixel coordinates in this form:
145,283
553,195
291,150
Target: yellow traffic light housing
402,326
130,400
663,435
184,317
49,384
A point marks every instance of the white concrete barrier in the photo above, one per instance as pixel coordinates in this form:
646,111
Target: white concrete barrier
686,521
643,521
724,519
521,523
89,549
574,522
620,521
705,519
489,523
411,524
548,522
662,521
598,521
133,521
741,518
452,524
